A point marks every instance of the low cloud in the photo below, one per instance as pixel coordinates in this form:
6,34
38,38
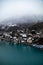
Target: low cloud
19,8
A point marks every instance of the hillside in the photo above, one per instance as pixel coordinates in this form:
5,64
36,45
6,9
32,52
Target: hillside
38,26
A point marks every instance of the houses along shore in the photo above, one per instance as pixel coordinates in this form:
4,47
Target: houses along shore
21,35
33,38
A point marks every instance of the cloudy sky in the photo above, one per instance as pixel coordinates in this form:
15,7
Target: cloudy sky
9,8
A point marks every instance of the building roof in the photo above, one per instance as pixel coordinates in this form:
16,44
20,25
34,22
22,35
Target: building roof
23,35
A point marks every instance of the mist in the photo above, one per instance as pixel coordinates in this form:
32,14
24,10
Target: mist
20,8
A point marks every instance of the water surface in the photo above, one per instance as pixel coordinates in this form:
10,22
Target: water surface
20,55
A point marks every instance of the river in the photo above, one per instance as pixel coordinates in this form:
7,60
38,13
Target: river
20,55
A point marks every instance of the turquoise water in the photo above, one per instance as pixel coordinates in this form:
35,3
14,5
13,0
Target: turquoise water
20,55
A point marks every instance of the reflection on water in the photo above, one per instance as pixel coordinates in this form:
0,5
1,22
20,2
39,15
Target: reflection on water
20,55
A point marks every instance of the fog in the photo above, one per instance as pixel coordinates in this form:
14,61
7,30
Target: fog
18,8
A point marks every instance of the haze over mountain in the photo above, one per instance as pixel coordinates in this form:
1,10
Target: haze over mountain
23,19
20,11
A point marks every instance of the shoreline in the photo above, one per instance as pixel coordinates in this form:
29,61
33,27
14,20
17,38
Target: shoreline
37,46
26,44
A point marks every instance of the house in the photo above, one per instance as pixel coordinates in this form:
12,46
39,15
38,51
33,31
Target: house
24,36
15,39
33,32
29,40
